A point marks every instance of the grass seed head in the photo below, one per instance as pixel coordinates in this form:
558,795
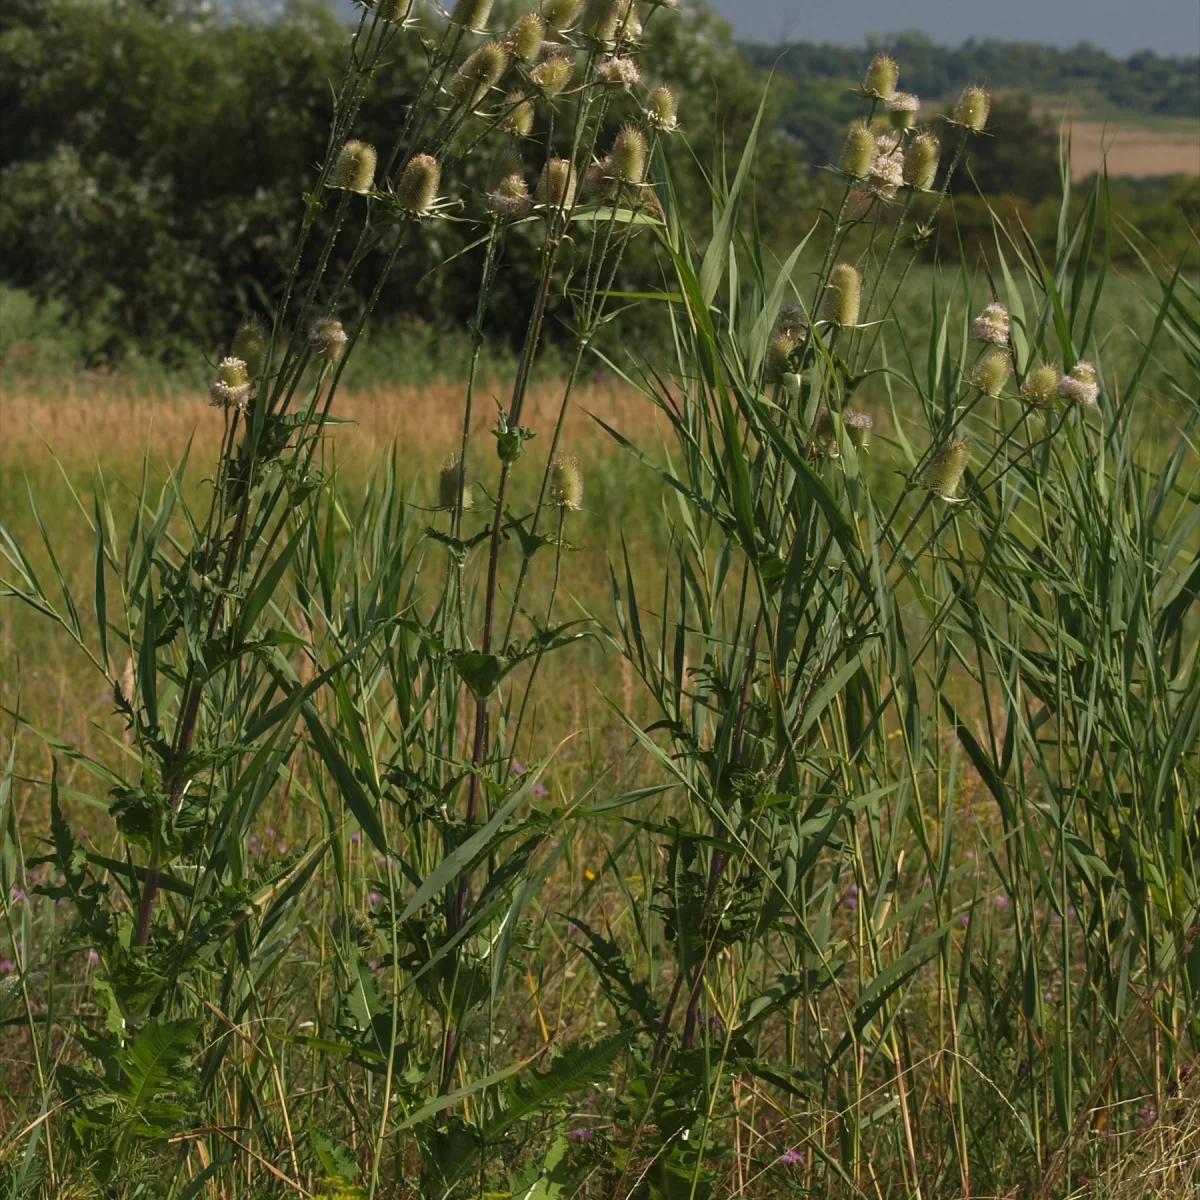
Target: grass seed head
471,14
354,170
858,151
921,161
971,108
628,158
843,294
946,467
1081,386
566,481
518,120
452,481
991,370
560,15
417,189
479,73
556,188
1041,386
881,77
991,325
553,75
902,110
662,109
327,339
250,343
231,388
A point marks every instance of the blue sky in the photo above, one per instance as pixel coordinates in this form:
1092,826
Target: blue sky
1119,26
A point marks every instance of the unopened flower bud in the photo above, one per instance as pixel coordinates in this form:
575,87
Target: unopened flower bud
479,73
354,170
556,188
526,36
945,468
858,152
662,109
1040,386
327,339
619,73
628,158
471,14
881,77
553,75
417,189
971,108
566,482
250,343
858,426
921,161
561,14
452,484
843,293
600,19
231,388
778,361
991,370
902,110
1081,386
518,120
991,325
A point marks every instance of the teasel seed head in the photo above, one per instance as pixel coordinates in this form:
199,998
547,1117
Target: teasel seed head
391,10
991,325
597,179
1041,386
618,73
991,371
451,481
792,320
510,197
946,467
250,343
902,110
858,152
479,73
526,36
600,18
858,426
560,15
921,161
231,388
881,77
628,157
556,188
662,110
566,482
843,294
971,108
327,339
1081,386
886,175
629,27
553,74
417,189
823,438
354,170
518,120
471,14
778,361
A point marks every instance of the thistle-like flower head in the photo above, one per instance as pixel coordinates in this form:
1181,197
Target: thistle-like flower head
843,294
600,19
662,110
1040,386
881,78
902,109
858,151
354,169
618,73
886,175
972,107
556,188
231,388
778,361
560,15
510,197
566,482
451,483
479,73
518,119
628,156
921,161
991,371
1081,386
858,426
945,468
525,38
991,325
471,14
417,189
250,343
553,74
327,339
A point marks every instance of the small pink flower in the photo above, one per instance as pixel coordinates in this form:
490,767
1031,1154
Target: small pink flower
93,957
355,838
373,897
1000,900
7,966
791,1158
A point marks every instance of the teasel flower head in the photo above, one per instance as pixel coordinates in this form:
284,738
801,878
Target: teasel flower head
902,110
1081,386
553,74
556,188
945,468
600,19
1040,386
451,481
566,482
628,158
618,72
327,339
354,169
471,14
417,190
921,161
778,361
510,197
597,179
843,294
858,151
971,108
858,426
525,38
991,371
479,73
881,78
823,437
791,320
629,27
560,15
518,120
395,11
231,388
886,175
662,110
991,325
250,343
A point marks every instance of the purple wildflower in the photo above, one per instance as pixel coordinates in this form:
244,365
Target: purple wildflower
93,957
18,895
850,899
790,1158
538,789
7,966
581,1135
518,768
1000,900
355,838
373,897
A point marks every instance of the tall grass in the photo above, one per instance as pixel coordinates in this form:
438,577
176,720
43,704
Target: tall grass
841,842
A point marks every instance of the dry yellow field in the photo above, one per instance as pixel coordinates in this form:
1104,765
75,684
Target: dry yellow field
1134,150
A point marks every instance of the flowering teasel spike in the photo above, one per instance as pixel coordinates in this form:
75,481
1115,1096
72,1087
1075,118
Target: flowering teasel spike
778,360
600,18
628,157
921,161
972,107
902,110
327,339
556,188
886,175
518,120
566,482
881,78
629,27
1081,386
471,14
452,484
250,343
991,370
858,151
843,294
560,15
858,426
662,109
479,73
395,11
417,190
553,74
354,169
526,36
992,325
231,388
945,468
618,73
510,197
1040,386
